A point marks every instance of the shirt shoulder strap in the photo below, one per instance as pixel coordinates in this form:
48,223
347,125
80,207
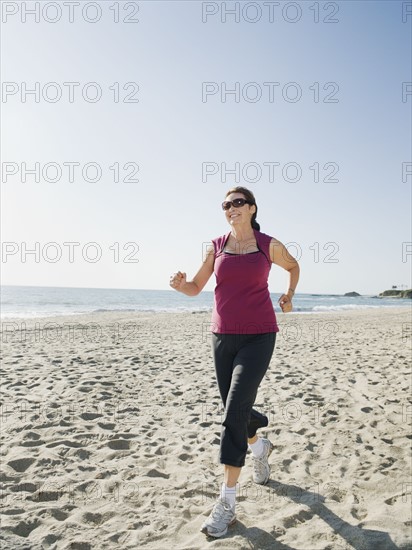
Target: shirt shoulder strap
263,242
218,243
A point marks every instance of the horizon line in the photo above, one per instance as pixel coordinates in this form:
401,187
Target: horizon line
172,290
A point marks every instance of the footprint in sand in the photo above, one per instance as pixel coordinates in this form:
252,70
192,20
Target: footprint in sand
21,464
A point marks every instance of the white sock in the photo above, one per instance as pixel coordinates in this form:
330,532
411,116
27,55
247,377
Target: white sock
256,447
229,494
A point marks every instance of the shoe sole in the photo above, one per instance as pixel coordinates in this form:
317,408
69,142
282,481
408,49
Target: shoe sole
271,447
220,533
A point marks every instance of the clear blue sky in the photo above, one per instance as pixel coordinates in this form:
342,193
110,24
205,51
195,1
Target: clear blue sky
172,131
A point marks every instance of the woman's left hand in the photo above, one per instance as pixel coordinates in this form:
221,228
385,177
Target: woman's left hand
285,303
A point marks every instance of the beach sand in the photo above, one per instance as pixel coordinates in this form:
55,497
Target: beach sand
111,426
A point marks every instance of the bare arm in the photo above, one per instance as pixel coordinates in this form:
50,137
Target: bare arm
280,256
196,285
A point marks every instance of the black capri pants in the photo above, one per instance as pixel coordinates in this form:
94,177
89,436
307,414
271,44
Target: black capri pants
241,361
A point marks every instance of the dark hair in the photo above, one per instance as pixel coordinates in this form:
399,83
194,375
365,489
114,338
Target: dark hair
250,197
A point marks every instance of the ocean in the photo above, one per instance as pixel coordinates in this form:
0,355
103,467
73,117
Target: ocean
36,301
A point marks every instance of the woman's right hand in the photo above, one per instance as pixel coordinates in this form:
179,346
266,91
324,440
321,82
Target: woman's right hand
285,302
178,280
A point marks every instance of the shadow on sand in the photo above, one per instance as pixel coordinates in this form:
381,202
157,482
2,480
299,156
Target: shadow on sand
353,537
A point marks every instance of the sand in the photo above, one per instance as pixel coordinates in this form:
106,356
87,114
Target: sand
111,425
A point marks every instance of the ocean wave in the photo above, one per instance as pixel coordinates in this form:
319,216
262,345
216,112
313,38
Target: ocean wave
345,307
104,310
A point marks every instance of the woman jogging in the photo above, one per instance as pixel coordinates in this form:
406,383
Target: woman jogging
243,328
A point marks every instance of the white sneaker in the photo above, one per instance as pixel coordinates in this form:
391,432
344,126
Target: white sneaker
219,520
261,468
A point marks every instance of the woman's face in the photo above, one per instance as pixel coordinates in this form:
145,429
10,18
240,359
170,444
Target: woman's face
242,214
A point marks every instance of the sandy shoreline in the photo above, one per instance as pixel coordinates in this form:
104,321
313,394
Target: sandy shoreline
111,424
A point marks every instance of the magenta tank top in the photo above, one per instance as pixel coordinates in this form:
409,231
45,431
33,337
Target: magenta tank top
242,303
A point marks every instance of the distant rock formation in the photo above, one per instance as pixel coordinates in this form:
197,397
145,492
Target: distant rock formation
352,294
396,293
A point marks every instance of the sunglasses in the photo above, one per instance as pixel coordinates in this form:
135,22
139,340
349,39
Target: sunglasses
237,203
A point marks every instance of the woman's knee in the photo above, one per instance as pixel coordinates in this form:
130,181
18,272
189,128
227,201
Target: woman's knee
237,414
